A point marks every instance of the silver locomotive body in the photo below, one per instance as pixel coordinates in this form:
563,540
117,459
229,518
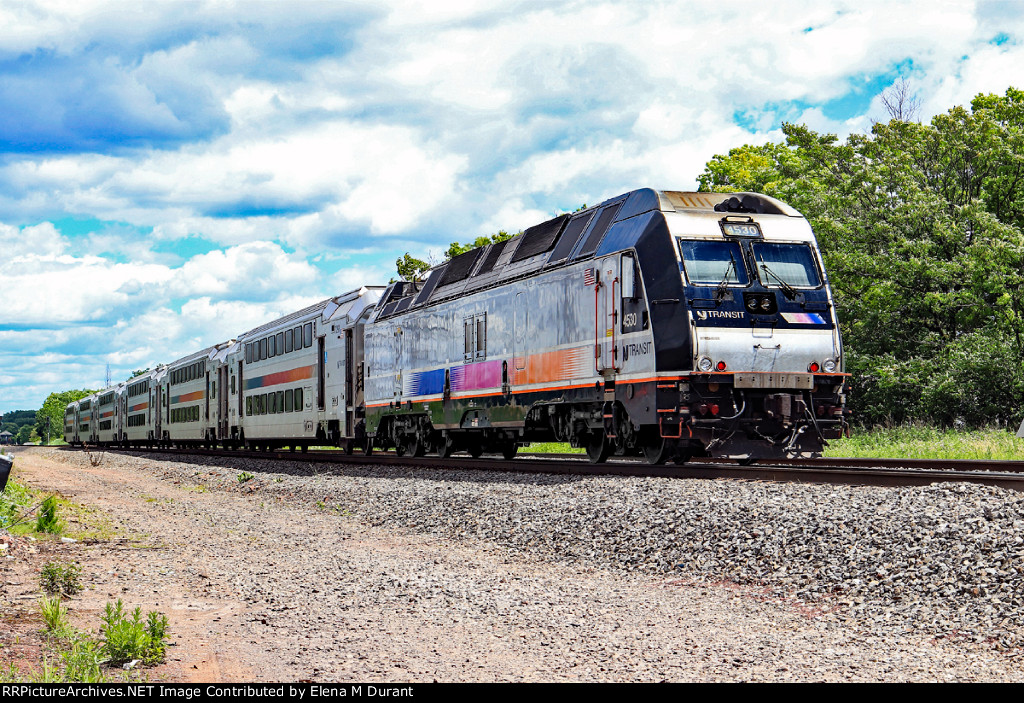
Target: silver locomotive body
663,323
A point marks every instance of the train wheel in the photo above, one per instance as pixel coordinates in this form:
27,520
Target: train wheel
368,446
475,449
598,448
747,461
656,450
400,446
446,446
509,449
348,446
416,445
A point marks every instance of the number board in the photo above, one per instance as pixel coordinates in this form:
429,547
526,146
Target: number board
741,229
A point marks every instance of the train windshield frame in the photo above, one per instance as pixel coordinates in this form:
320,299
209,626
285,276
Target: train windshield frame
713,262
781,264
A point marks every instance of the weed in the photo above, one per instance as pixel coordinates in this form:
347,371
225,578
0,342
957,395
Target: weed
82,660
245,476
14,499
55,616
46,519
61,579
127,638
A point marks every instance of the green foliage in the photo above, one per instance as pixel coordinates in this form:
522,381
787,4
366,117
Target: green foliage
55,615
49,424
82,661
454,249
14,501
58,579
410,268
924,442
245,476
127,638
922,230
46,519
14,420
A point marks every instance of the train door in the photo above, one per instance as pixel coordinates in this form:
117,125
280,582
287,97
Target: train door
241,395
222,402
347,398
521,322
337,372
321,387
154,407
399,365
608,290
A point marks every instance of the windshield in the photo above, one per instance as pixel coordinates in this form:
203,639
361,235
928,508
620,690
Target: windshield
713,263
786,265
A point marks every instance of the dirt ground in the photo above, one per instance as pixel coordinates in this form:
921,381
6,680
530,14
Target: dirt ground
260,588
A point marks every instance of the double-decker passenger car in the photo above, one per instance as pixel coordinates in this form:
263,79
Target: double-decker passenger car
294,378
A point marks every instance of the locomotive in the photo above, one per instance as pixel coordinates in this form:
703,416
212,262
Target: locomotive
661,324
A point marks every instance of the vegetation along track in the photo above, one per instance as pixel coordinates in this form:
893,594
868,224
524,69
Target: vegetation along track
859,471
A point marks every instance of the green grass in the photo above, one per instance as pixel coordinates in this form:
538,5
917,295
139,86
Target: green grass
913,442
551,448
919,442
15,500
55,616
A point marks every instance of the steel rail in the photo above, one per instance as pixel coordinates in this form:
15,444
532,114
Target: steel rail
865,472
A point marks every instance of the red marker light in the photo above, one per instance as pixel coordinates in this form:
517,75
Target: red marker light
720,366
813,367
714,409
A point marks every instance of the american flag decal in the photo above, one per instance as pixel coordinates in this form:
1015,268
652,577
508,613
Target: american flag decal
588,277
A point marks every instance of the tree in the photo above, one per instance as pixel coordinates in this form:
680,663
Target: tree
922,230
900,102
410,268
24,435
50,418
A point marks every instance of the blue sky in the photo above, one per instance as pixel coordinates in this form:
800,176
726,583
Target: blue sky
174,173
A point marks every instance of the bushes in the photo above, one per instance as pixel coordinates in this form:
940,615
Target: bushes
58,579
46,519
127,639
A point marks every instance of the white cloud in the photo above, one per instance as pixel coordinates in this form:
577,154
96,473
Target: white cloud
330,129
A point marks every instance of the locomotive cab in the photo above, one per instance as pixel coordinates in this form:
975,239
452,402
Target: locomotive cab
767,373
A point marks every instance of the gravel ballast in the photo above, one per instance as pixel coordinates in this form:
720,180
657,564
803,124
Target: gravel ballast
944,562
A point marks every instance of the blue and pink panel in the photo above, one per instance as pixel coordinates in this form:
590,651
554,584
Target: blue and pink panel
486,374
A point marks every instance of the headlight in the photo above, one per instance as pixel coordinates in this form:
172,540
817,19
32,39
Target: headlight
829,365
704,364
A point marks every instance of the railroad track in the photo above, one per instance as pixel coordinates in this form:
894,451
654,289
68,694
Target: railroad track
867,472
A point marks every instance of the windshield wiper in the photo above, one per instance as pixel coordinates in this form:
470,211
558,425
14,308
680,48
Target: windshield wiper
787,289
720,291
